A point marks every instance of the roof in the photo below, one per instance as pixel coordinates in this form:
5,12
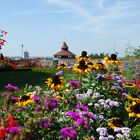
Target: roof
64,53
64,46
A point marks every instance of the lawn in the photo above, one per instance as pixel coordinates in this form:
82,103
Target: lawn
21,78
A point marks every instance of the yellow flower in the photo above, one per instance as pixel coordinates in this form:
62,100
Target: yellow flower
129,85
62,66
82,67
133,97
56,82
25,99
133,109
83,57
112,60
115,122
98,66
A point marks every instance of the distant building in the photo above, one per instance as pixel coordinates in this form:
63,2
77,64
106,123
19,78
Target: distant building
64,53
26,55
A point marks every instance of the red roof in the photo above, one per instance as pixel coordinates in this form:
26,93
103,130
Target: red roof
64,53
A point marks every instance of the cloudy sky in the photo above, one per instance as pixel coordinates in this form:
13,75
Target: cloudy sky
91,25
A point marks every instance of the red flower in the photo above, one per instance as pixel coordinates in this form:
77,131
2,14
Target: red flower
11,121
2,133
138,83
139,87
110,77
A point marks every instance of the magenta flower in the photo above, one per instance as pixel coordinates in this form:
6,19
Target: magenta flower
74,83
19,109
50,105
36,98
14,99
4,94
68,132
82,107
11,87
73,115
44,124
37,108
14,130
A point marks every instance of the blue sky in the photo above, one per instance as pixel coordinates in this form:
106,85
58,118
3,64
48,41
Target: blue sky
91,25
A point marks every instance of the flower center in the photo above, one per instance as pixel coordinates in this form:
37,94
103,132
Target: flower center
56,80
82,65
118,123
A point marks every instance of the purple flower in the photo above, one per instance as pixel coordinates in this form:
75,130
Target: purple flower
12,88
89,114
82,107
44,124
19,109
50,105
78,122
36,98
70,66
74,83
4,94
14,99
59,73
14,130
37,108
73,115
68,132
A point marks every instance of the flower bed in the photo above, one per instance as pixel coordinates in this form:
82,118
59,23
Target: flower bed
96,103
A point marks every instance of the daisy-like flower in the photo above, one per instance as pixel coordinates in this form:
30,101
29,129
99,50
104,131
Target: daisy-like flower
83,56
25,99
129,85
133,97
99,66
55,82
115,122
82,67
133,109
112,60
61,67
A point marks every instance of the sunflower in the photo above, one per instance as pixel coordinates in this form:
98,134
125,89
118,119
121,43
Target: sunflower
115,122
99,66
61,67
133,109
133,97
25,99
55,82
83,56
129,85
83,67
112,60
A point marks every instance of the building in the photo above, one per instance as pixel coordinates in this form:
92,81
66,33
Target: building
64,53
26,55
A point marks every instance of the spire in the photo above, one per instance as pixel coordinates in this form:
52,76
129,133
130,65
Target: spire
64,46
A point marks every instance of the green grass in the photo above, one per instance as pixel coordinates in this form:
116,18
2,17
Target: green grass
21,78
36,76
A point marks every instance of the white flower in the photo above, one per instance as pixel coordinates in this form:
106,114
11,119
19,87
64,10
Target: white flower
106,107
119,135
117,129
111,137
96,105
103,138
97,95
101,100
79,96
101,117
90,104
125,130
